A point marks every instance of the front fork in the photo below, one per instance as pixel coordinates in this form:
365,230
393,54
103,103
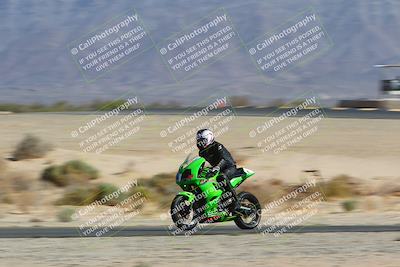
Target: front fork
189,196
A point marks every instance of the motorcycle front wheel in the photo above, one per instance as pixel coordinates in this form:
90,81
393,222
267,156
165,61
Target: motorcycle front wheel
183,214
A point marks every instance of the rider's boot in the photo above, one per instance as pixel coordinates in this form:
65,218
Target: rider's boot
229,195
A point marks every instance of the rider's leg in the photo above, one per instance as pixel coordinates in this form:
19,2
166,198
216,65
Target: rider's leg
229,191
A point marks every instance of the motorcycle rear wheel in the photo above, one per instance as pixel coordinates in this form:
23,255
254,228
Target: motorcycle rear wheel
251,219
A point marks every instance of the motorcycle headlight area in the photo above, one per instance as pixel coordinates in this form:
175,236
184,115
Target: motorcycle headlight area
187,174
178,177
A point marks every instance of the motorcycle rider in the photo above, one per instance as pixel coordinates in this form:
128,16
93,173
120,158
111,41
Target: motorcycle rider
219,158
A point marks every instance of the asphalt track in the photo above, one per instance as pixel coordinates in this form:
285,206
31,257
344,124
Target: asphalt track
348,113
74,232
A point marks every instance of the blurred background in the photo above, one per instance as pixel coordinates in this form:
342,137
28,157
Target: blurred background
55,157
36,63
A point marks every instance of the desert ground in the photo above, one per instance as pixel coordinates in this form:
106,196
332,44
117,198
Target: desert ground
363,148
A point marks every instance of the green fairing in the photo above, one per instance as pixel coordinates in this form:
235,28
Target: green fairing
235,182
190,196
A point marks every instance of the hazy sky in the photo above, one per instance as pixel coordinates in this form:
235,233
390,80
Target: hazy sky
37,62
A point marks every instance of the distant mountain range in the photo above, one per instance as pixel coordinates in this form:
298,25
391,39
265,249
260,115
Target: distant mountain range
36,64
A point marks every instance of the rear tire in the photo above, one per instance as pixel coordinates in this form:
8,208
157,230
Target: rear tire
182,213
251,220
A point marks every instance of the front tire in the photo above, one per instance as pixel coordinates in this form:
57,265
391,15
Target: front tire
183,214
251,218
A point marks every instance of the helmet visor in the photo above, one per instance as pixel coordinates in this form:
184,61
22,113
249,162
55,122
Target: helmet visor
202,143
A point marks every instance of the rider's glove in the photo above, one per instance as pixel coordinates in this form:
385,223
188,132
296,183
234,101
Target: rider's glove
213,171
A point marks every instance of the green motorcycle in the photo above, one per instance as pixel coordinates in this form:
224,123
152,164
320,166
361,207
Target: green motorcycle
204,199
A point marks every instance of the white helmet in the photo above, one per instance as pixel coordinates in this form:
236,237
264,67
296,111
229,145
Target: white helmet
204,138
